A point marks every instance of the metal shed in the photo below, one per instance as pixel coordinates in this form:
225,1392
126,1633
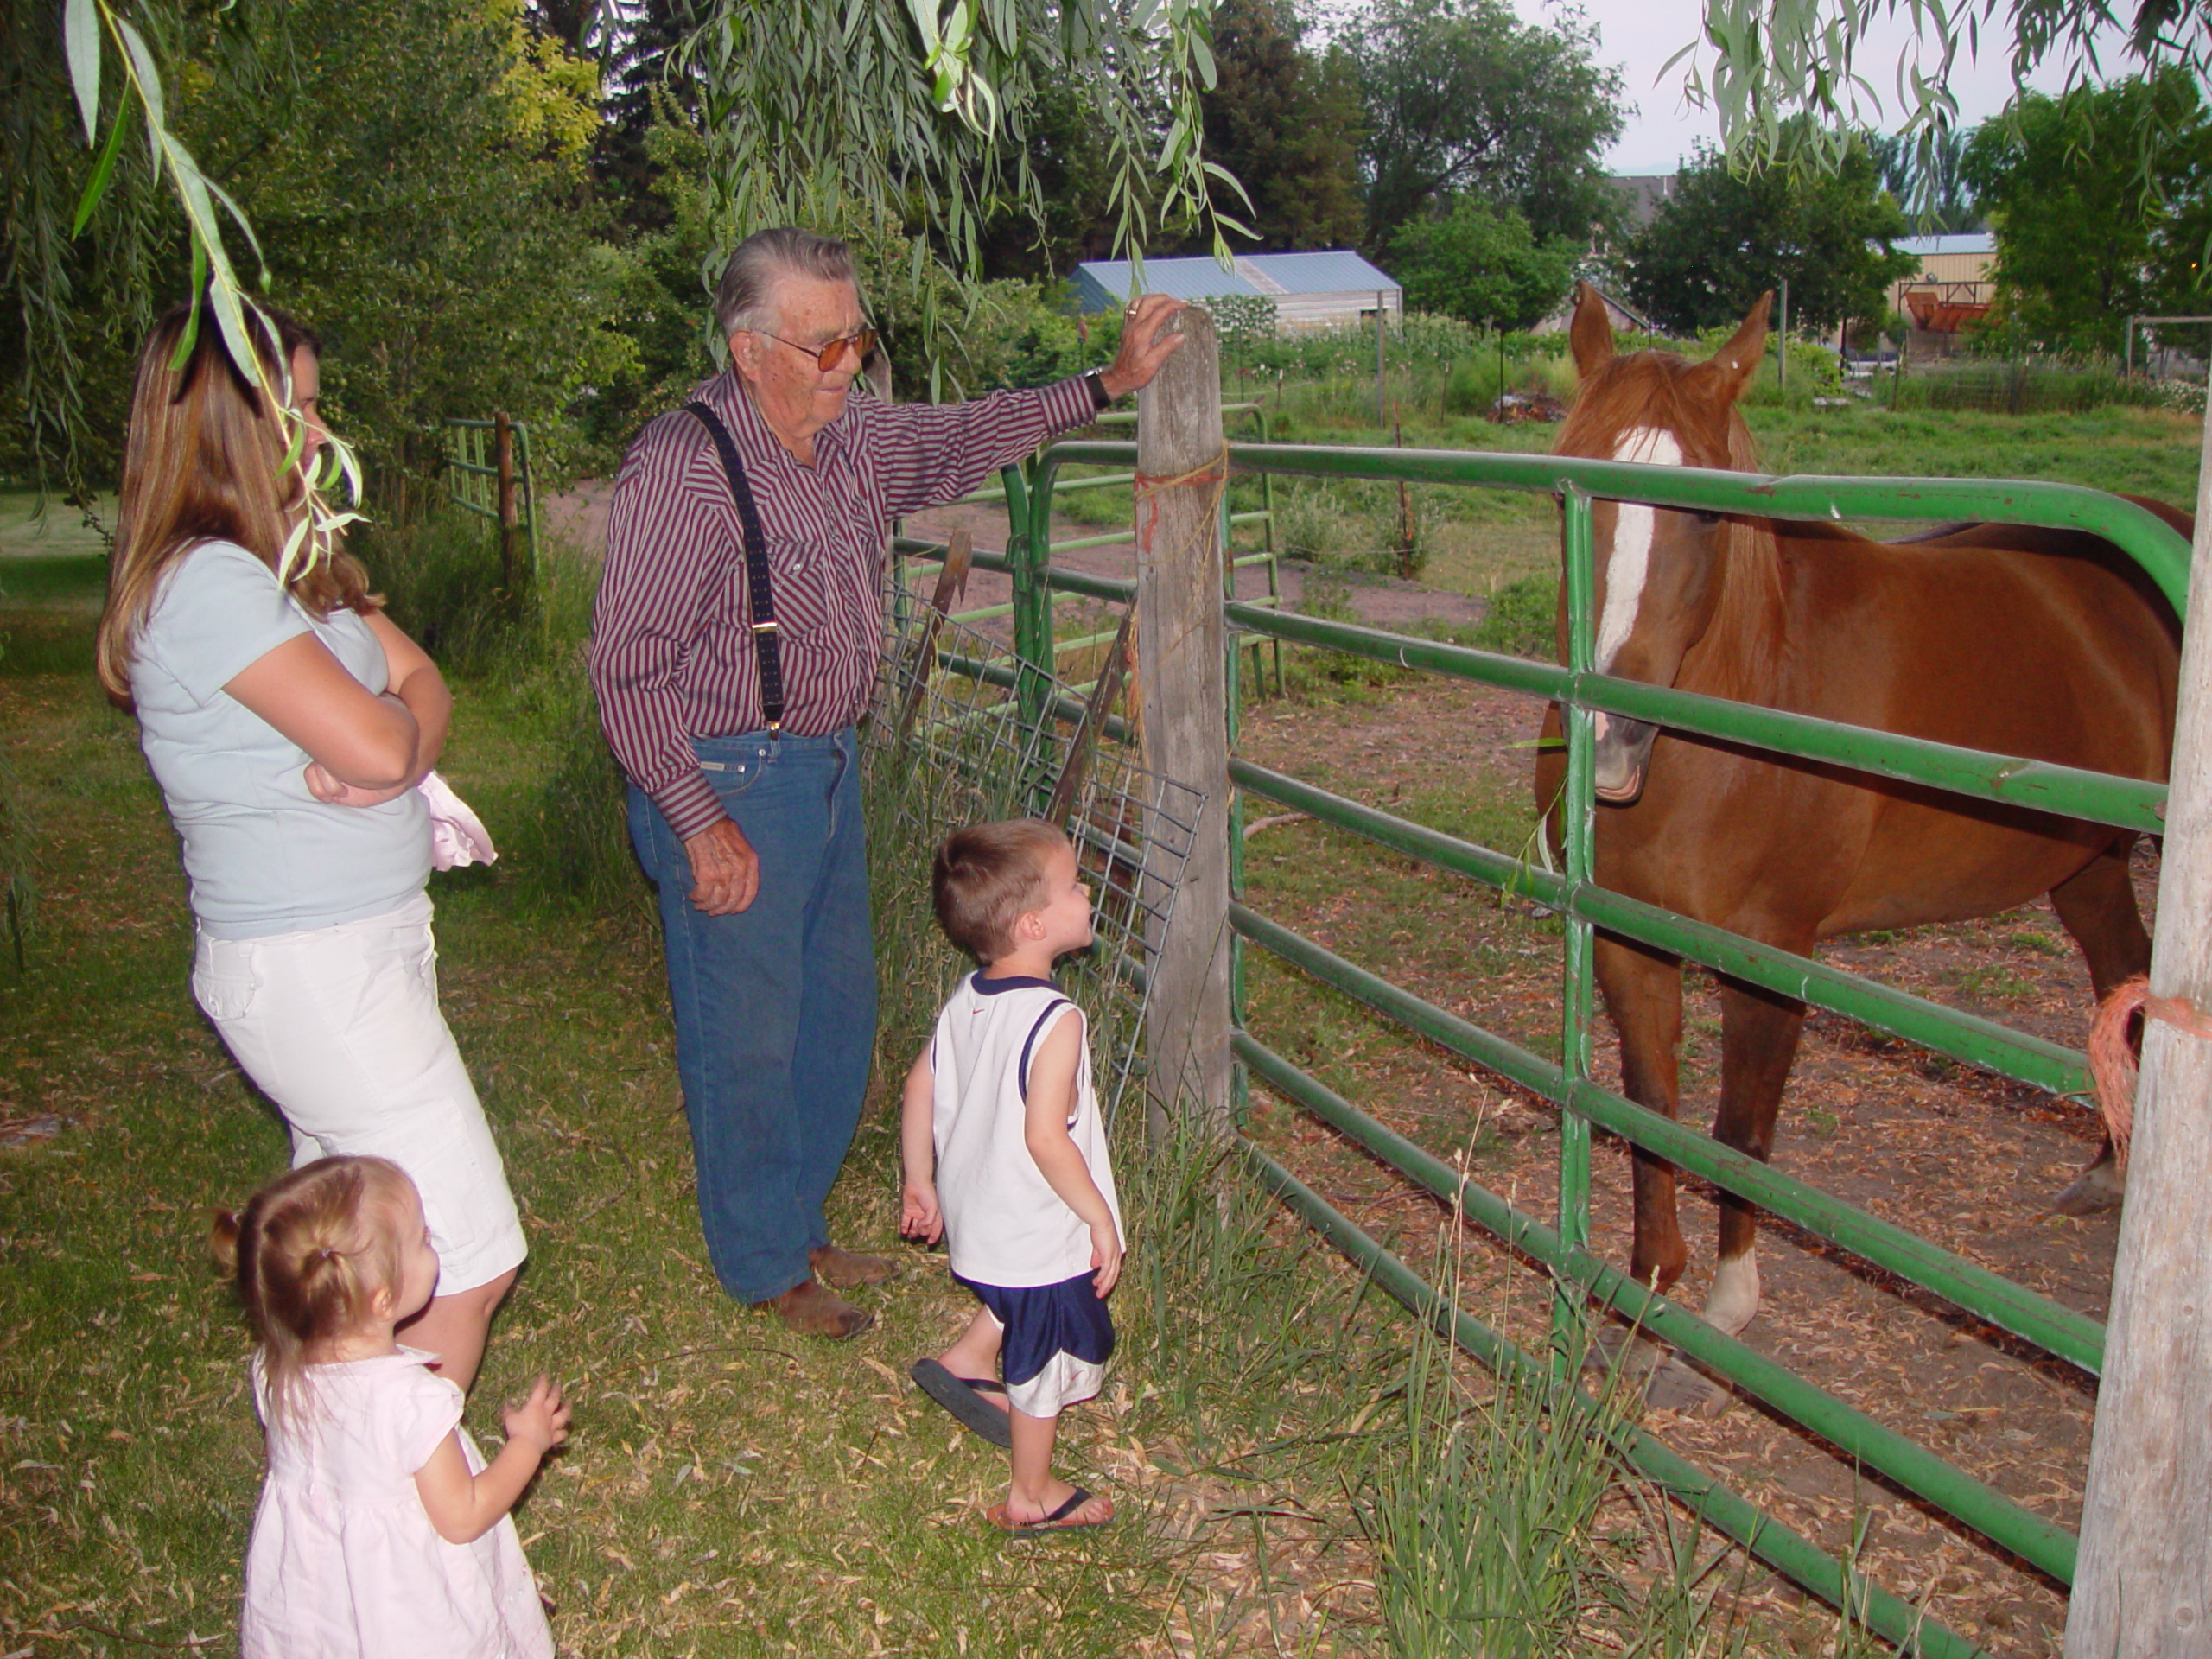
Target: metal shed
1952,290
1311,290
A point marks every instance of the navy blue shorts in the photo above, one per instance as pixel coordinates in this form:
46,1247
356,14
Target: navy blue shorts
1056,1343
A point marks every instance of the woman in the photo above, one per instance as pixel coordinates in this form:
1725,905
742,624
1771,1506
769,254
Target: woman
288,722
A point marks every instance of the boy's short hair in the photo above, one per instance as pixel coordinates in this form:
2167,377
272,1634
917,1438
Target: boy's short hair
987,877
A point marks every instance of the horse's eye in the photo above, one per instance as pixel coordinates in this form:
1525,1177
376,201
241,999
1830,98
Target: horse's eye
1706,518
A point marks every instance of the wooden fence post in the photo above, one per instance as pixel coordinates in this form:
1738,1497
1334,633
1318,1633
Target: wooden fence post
1182,678
2143,1585
504,462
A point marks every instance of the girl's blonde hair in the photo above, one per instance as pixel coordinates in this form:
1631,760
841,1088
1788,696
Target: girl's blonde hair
310,1252
204,460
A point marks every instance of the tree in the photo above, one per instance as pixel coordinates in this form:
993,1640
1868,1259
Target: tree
634,43
427,221
1771,63
2078,250
1461,96
84,301
1483,264
1927,181
1072,218
864,119
831,116
1286,124
1723,239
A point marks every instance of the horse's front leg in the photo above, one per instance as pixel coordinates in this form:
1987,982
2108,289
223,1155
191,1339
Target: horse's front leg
1643,994
1758,1041
2098,907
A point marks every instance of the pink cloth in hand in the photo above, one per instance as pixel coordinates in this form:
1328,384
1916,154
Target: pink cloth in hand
457,835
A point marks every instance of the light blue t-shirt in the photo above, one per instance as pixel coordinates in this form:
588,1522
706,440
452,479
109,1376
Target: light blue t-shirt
262,855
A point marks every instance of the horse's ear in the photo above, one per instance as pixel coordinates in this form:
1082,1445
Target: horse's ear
1592,332
1730,367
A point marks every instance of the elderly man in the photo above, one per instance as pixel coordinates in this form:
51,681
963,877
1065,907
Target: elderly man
745,807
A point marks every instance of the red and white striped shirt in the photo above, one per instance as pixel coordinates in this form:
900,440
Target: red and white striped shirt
671,649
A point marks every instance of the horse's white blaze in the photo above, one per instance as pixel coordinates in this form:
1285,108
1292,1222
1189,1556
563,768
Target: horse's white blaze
1735,1298
1632,532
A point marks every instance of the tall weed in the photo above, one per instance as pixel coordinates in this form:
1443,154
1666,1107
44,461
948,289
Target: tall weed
580,828
1217,1309
443,587
1487,1522
2022,387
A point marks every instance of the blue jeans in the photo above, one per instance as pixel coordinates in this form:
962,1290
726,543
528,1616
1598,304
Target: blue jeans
774,1006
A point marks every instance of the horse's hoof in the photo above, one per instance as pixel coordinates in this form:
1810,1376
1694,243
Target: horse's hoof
2093,1191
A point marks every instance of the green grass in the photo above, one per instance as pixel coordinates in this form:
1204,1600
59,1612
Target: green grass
32,528
730,1489
48,603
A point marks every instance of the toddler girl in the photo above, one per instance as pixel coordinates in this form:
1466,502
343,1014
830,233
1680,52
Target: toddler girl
381,1531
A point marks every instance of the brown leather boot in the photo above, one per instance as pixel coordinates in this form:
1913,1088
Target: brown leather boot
814,1311
844,1269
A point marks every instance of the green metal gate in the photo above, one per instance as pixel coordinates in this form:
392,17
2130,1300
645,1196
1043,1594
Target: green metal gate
1585,907
472,478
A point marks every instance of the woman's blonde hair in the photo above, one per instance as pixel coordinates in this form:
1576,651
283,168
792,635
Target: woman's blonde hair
204,460
310,1253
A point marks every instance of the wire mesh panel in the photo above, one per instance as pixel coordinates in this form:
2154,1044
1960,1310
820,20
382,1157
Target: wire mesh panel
963,732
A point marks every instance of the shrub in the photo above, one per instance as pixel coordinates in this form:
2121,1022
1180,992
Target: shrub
2186,395
1521,619
2026,386
443,587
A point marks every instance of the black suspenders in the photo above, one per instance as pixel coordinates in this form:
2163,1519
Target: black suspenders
756,572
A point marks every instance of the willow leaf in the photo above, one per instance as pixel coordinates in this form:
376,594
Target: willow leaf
80,38
144,75
103,171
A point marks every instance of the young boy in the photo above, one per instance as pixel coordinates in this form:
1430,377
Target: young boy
1006,1156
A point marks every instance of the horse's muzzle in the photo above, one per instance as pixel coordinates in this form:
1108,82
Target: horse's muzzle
1623,758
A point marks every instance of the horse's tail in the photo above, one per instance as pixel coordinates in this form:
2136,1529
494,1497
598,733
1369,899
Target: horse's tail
2112,1061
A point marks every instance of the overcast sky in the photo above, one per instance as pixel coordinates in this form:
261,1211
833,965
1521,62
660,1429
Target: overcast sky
1638,36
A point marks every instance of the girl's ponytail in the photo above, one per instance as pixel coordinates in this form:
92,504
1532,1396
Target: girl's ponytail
309,1252
223,1239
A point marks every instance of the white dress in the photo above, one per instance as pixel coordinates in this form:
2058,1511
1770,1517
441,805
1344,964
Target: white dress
345,1563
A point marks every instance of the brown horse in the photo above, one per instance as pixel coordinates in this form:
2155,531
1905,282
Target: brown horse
2045,643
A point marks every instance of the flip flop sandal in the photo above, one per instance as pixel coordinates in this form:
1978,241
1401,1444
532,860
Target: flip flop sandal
964,1397
1060,1519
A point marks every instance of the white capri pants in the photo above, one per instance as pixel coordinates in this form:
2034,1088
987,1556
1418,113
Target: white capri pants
340,1026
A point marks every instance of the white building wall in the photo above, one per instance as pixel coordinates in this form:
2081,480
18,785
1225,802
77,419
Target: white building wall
1295,313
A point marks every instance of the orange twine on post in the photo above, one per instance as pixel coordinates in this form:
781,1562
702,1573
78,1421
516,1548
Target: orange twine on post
1151,486
1206,472
2112,1056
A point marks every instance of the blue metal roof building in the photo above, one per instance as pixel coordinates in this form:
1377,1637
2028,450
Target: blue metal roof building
1311,290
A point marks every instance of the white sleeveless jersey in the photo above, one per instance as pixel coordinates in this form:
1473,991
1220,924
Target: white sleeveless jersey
1004,1224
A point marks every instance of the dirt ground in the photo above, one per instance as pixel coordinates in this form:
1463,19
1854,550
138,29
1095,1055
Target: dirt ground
1967,1160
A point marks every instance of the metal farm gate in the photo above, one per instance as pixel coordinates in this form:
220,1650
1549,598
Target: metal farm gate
1584,906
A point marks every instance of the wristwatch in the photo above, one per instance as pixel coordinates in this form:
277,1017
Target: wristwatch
1096,379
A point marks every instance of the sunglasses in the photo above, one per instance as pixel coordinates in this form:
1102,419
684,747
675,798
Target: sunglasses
831,354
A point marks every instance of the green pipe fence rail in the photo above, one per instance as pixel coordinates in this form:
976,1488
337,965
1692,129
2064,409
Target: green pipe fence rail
473,477
1024,530
1585,907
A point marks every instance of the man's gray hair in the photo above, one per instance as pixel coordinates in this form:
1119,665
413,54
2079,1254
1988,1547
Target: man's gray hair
744,298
